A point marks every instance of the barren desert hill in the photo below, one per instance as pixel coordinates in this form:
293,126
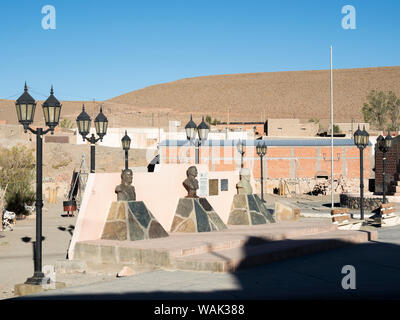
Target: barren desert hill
248,97
300,94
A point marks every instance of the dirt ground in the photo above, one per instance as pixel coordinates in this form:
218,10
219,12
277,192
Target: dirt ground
16,252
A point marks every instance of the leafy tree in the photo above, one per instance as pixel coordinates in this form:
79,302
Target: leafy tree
393,106
380,106
17,170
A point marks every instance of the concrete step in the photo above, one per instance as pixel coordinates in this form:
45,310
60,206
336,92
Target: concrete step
223,250
247,256
185,244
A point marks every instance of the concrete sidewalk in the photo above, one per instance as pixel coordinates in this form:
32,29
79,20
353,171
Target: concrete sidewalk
316,276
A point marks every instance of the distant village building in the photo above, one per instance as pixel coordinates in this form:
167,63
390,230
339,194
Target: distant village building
274,127
290,128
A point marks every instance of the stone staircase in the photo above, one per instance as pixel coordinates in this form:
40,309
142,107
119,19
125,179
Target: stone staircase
394,188
223,251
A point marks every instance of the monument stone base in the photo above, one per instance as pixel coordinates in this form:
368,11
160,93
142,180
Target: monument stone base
248,209
23,289
131,220
196,215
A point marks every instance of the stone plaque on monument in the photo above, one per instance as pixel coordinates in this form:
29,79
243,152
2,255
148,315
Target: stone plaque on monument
213,187
203,184
224,184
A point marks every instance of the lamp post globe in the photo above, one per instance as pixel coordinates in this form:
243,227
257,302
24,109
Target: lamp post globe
358,137
261,149
25,106
203,129
388,142
380,141
126,141
83,123
101,124
191,129
240,147
126,144
51,111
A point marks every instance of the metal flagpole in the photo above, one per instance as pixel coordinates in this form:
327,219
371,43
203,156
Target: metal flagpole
332,190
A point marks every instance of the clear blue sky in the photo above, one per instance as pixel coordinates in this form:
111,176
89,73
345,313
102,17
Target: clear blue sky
104,48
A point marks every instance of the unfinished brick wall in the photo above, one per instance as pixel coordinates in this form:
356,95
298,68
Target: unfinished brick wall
288,162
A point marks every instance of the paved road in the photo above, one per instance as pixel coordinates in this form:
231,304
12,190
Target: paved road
316,276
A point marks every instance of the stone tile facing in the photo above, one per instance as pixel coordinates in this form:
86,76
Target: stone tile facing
131,220
196,215
249,210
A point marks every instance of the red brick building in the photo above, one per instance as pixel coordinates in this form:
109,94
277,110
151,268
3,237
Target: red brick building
285,158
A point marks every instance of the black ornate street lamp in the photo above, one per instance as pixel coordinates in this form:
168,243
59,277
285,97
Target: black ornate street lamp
83,123
261,151
126,144
25,107
384,144
241,149
361,139
202,129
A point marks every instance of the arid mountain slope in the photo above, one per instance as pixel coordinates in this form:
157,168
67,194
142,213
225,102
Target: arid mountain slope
247,97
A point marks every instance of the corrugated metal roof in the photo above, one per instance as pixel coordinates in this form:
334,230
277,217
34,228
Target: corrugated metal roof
268,142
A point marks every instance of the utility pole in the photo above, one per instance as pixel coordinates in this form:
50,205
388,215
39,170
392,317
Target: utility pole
332,190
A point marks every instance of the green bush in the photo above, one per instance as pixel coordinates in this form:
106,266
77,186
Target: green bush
212,122
17,170
67,123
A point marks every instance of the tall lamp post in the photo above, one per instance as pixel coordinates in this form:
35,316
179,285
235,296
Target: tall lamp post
384,144
361,139
25,107
126,144
83,124
202,129
241,149
261,151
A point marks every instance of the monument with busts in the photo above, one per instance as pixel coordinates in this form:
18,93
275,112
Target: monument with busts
194,214
247,208
129,219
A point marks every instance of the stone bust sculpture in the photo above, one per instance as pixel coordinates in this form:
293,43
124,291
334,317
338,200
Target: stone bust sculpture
244,186
125,191
191,184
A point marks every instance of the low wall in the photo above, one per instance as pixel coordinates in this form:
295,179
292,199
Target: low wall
353,201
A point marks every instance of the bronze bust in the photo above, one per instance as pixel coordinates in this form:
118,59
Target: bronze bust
125,191
191,184
244,186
